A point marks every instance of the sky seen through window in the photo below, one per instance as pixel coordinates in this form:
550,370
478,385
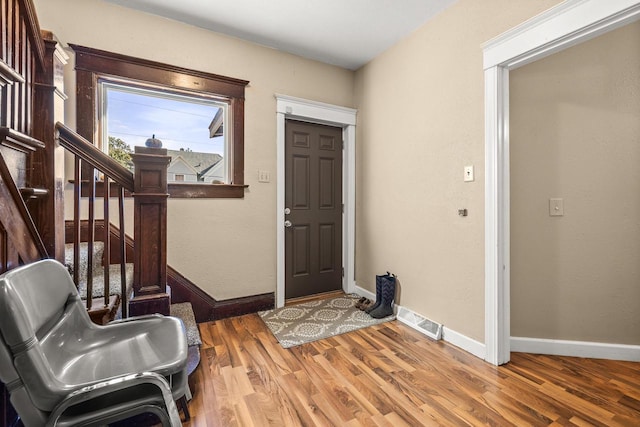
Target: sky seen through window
179,124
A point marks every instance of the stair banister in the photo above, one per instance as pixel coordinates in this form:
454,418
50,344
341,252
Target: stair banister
148,187
88,161
87,152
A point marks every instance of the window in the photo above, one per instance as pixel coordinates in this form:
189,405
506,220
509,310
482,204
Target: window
190,127
109,85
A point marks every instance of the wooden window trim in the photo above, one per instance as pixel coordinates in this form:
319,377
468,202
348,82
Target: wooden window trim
91,64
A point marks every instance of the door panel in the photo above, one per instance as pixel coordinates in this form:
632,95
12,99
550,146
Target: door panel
301,177
327,190
301,248
313,193
327,248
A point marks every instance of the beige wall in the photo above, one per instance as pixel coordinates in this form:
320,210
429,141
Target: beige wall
575,134
227,247
420,121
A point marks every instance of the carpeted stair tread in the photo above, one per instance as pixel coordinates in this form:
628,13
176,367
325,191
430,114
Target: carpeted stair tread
98,271
184,311
114,281
98,249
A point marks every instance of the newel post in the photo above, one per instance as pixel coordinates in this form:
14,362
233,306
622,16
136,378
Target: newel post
47,165
150,232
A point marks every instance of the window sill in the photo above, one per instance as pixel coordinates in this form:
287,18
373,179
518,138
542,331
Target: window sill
179,191
206,191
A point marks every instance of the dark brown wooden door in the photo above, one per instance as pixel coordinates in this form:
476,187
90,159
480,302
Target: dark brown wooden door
313,196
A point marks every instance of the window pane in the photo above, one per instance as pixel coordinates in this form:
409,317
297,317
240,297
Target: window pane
190,128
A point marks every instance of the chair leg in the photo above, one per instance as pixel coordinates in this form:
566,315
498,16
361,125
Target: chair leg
183,404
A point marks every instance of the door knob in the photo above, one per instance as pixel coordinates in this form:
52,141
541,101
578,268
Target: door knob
287,223
287,211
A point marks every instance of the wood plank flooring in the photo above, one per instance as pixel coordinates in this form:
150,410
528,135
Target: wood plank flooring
391,375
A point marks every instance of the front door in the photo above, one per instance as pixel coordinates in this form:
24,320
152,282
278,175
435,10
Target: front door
313,209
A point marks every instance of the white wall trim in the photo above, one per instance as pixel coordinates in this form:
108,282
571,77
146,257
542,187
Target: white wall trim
594,350
497,240
288,107
569,23
364,293
461,341
467,344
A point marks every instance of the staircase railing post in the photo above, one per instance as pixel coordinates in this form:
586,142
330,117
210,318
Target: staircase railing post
150,232
48,164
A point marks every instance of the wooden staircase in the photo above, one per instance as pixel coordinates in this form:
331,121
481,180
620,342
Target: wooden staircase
33,182
96,177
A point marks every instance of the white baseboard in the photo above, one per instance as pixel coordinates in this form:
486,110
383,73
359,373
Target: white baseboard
467,344
470,345
365,293
592,350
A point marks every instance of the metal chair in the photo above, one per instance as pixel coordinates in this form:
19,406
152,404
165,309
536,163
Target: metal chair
62,369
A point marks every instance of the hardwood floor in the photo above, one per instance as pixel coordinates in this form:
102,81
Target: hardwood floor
390,375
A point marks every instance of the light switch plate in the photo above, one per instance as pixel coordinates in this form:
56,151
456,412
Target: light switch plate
468,174
556,207
264,176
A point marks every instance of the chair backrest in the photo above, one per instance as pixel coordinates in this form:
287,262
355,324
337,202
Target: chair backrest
33,299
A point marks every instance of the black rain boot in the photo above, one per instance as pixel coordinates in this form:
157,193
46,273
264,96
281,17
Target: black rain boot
379,280
388,295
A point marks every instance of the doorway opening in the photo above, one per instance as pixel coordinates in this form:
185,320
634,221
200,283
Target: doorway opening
574,198
563,26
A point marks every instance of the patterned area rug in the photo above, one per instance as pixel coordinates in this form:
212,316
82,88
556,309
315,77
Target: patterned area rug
311,321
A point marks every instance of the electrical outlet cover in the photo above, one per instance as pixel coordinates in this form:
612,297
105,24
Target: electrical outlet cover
468,174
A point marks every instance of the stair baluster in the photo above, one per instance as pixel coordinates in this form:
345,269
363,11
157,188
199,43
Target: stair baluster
106,257
76,221
91,235
123,252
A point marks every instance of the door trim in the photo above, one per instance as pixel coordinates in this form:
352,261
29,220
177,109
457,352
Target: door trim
288,107
568,24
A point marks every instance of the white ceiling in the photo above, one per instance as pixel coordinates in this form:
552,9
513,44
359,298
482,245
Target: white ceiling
347,33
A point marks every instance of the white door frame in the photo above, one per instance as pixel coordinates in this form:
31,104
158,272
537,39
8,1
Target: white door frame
567,24
305,110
